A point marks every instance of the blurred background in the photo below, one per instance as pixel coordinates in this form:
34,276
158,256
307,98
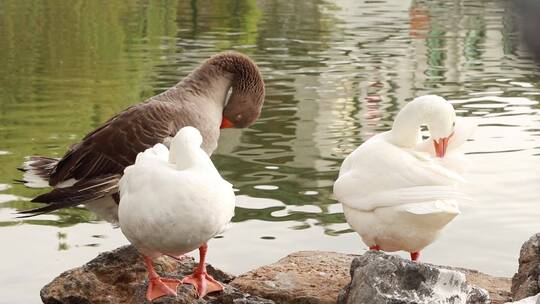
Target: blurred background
336,73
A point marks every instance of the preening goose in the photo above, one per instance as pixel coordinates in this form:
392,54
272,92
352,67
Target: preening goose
398,191
90,170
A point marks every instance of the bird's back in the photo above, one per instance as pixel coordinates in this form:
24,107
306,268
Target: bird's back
185,207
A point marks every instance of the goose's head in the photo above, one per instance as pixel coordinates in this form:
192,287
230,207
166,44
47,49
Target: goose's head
440,118
187,136
247,97
242,110
184,138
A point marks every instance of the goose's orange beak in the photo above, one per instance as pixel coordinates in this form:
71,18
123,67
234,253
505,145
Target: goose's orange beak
225,123
441,145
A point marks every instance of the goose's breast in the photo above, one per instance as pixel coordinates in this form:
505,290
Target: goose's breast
394,228
174,221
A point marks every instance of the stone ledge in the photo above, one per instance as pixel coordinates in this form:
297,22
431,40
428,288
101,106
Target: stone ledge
119,276
318,277
300,277
304,277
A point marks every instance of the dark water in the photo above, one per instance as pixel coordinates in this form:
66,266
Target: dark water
336,73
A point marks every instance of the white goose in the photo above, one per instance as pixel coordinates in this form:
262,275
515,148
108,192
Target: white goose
394,192
172,203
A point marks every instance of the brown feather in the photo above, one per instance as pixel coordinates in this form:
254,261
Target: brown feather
80,192
198,101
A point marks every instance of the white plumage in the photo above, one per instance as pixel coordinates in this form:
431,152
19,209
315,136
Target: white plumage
174,207
174,202
394,192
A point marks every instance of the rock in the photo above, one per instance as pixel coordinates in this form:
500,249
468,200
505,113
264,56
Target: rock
530,300
381,278
119,276
302,277
498,288
526,282
287,281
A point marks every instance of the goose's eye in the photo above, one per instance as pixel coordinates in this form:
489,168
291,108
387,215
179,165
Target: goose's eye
454,124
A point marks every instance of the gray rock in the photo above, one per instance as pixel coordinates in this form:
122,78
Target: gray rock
119,276
378,278
526,282
530,300
498,288
317,277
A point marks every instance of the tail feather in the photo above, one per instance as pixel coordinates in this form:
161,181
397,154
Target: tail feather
37,170
79,193
41,210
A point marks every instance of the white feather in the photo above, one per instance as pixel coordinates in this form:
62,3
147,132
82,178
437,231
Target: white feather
31,178
394,192
167,210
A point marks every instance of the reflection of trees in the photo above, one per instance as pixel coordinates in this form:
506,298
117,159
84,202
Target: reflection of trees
452,50
67,67
230,22
75,65
85,46
459,44
292,37
265,214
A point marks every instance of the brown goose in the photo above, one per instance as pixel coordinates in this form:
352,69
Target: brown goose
90,170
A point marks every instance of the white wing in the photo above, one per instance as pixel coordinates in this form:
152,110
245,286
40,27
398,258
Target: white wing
379,174
444,206
411,195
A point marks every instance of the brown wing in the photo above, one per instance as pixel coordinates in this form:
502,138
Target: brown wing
114,145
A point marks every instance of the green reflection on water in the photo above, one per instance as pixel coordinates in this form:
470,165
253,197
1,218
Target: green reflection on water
67,66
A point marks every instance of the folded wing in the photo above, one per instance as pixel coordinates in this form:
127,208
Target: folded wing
380,174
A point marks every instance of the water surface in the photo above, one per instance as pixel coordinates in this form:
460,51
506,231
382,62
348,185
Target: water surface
337,72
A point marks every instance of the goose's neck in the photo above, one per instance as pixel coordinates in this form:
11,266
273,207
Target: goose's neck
246,77
406,128
209,83
222,72
191,157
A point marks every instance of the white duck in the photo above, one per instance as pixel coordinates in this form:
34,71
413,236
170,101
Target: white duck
172,203
394,192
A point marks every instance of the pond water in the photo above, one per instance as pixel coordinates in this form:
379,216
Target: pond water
336,72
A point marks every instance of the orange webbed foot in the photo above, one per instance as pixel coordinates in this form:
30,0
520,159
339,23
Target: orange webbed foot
203,283
159,287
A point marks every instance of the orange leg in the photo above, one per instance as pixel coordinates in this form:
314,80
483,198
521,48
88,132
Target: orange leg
203,282
415,256
157,286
